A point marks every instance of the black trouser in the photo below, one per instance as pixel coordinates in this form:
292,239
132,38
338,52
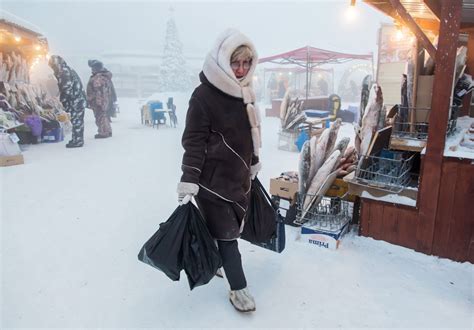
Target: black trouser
232,263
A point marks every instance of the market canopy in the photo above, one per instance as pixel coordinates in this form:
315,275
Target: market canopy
310,57
295,70
313,56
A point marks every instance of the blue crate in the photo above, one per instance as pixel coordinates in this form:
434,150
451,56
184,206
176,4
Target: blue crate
317,113
155,105
52,135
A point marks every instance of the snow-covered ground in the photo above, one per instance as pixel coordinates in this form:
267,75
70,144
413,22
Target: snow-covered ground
73,221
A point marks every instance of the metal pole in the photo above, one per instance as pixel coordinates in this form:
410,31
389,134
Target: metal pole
264,87
332,72
307,71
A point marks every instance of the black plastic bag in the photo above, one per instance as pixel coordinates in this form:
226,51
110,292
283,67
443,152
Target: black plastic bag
277,243
183,242
164,249
260,221
201,258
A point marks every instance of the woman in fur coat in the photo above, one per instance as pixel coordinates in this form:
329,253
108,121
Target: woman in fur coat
221,143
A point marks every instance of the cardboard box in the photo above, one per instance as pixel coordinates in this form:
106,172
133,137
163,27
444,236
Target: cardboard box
321,238
283,188
11,160
424,94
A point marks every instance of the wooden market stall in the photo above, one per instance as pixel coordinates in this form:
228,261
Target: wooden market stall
29,112
441,220
20,37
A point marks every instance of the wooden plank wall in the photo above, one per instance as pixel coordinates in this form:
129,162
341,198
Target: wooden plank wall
453,235
395,224
454,226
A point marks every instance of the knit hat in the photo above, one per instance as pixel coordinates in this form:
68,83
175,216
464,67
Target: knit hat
95,65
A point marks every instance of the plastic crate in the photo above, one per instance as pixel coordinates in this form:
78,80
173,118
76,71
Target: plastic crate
52,135
287,140
317,113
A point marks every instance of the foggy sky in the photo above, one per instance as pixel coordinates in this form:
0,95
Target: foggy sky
92,28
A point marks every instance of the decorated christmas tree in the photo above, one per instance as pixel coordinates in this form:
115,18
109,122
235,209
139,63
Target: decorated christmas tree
174,76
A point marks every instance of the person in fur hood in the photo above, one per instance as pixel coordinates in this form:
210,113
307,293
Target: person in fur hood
101,97
221,143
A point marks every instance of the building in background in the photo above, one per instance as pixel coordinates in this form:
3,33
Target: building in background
138,74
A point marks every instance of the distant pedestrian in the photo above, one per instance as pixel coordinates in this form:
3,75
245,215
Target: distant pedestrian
72,96
281,89
101,97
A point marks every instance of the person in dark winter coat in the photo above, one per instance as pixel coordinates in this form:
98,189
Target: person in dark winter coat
72,96
221,142
101,97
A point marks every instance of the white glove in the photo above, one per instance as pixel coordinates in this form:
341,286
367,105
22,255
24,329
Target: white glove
254,169
186,190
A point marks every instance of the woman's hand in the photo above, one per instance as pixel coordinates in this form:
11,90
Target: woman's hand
186,190
254,169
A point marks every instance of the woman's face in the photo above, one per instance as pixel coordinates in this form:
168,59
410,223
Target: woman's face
241,67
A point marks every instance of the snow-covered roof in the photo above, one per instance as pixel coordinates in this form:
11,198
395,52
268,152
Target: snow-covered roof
19,22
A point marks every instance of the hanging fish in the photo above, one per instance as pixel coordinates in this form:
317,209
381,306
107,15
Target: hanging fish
370,120
332,136
319,154
303,167
342,145
319,179
312,145
349,151
284,105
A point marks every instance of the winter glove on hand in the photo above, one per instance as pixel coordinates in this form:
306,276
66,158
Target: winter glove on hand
254,169
186,188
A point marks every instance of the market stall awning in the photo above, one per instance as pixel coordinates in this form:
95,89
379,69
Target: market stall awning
295,69
14,24
425,12
313,56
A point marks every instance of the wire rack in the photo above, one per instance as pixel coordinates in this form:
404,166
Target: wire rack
419,130
411,131
328,214
390,171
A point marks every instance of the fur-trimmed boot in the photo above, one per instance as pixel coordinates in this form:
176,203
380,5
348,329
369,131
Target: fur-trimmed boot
242,300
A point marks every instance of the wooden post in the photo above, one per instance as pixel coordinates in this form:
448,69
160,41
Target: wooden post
440,107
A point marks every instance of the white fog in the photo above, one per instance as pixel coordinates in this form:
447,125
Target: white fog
79,202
